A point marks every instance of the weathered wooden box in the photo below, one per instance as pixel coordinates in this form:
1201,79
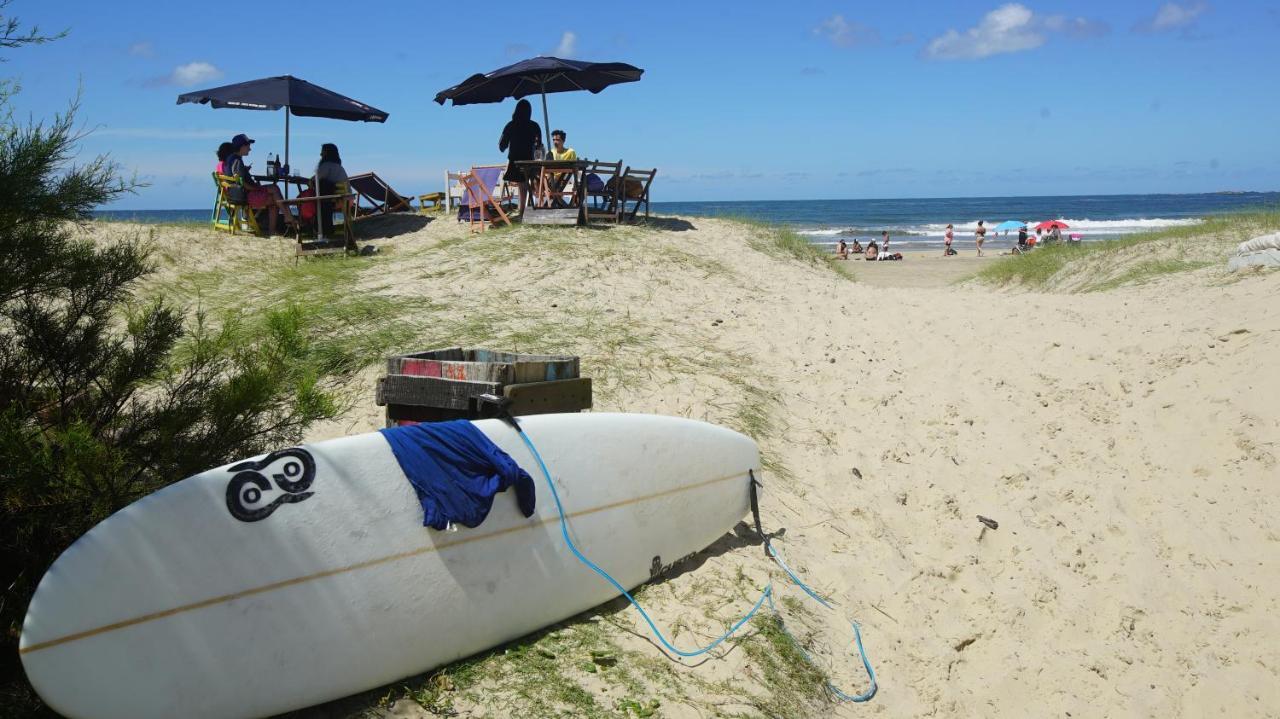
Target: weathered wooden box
443,384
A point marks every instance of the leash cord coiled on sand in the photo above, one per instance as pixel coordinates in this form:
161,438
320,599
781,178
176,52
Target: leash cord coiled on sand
765,596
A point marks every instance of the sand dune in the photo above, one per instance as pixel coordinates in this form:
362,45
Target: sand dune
1125,441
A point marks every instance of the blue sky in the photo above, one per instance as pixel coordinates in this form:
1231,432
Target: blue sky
739,100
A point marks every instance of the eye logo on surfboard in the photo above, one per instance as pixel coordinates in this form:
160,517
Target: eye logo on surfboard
293,471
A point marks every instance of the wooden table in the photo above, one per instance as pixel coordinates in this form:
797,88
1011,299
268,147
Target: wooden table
550,204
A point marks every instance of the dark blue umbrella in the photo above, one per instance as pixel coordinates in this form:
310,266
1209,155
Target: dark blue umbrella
297,96
539,75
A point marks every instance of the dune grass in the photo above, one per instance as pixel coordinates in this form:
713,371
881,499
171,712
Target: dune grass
1086,264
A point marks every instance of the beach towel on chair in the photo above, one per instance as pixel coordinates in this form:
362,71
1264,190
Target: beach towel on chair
455,471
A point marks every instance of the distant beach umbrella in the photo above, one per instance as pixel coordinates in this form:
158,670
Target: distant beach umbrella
1009,225
1050,224
540,75
297,96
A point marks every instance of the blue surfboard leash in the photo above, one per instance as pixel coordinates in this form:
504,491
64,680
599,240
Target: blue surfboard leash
765,597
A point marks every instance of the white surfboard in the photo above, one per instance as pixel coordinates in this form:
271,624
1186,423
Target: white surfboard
251,591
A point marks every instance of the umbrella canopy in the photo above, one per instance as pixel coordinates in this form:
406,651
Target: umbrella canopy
1050,224
301,97
539,75
297,96
1009,225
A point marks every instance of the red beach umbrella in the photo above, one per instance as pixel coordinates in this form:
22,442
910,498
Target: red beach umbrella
1050,224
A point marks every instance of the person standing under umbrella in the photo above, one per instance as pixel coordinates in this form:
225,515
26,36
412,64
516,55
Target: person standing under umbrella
519,138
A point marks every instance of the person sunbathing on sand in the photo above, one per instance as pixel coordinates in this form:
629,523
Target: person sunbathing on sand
842,249
873,251
857,247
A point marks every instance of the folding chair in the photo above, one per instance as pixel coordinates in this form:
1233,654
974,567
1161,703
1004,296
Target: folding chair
633,186
601,182
478,197
237,213
378,193
455,195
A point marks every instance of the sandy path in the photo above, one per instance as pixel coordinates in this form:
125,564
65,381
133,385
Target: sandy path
1126,443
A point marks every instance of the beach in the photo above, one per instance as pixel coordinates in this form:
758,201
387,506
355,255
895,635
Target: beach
1124,442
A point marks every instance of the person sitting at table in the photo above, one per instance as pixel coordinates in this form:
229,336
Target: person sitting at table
560,178
258,196
519,138
224,151
558,150
329,172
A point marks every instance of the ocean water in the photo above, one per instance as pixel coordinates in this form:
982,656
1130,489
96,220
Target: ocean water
919,223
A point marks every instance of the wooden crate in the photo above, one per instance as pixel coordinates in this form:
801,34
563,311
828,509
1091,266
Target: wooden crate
443,384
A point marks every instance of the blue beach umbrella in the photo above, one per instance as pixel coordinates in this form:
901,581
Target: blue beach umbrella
539,75
295,95
1009,225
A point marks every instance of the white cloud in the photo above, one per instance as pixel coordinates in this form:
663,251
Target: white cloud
1078,27
141,49
1010,28
1172,16
194,73
846,33
568,45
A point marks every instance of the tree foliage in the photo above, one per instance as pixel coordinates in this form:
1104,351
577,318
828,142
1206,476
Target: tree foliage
104,397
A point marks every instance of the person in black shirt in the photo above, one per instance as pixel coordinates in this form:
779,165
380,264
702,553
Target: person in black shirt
1022,237
519,138
259,196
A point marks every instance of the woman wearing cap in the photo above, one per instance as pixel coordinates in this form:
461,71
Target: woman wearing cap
259,196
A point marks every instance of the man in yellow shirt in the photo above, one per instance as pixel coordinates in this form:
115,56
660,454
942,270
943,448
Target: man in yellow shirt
558,150
559,187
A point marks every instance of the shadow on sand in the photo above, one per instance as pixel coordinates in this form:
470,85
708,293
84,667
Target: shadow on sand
382,227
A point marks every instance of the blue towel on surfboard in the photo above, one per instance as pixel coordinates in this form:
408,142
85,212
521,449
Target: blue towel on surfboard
456,470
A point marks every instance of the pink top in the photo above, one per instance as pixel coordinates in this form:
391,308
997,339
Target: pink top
218,168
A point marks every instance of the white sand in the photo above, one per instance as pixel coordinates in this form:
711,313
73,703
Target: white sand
1125,441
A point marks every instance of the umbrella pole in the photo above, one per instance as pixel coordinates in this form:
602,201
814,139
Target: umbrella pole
286,147
546,124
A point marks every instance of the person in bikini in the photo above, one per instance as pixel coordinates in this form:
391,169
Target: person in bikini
979,235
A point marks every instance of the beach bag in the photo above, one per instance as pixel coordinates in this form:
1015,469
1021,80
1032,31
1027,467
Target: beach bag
595,185
307,210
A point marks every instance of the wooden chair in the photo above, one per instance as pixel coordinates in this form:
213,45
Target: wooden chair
455,194
343,200
633,186
437,200
237,213
603,201
479,198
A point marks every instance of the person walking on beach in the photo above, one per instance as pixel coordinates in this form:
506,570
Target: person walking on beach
946,241
979,235
519,138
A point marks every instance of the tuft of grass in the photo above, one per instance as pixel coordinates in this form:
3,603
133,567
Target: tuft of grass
1088,262
798,688
784,243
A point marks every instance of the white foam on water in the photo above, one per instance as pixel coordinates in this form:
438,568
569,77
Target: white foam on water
1110,227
